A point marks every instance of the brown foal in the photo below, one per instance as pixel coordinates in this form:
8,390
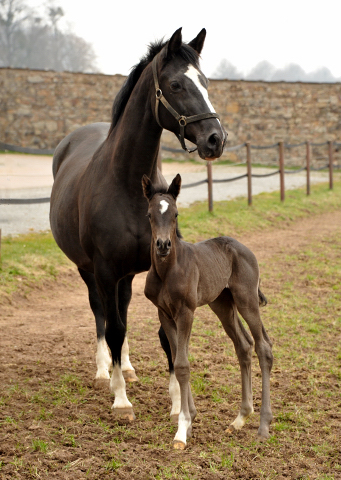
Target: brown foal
221,273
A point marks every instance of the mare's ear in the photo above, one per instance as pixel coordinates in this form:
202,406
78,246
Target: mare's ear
147,186
173,44
174,187
198,42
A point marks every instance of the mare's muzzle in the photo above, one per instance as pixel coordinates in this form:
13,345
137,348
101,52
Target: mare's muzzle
163,247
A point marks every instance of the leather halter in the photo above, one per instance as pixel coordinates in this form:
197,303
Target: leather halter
183,121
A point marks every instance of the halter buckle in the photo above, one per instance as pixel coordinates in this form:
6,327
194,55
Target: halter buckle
158,93
183,121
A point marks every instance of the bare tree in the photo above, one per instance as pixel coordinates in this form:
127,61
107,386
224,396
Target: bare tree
28,40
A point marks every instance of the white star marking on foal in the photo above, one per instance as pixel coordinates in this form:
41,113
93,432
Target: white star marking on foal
164,206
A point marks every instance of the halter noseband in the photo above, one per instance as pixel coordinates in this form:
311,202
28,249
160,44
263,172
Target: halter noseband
183,121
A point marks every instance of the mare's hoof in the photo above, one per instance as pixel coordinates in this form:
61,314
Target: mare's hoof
174,418
130,376
125,414
101,383
179,445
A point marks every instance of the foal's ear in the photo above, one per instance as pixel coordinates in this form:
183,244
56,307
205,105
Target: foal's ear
147,186
174,43
174,187
198,42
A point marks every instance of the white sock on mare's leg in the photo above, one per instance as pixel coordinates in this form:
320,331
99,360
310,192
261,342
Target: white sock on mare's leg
118,388
125,362
103,360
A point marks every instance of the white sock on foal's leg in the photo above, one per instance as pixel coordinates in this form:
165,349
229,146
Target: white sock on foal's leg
174,392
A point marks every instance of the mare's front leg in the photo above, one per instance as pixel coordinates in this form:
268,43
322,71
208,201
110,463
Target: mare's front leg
225,309
108,288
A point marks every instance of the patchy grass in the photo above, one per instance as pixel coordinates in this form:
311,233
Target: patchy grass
54,425
235,217
27,260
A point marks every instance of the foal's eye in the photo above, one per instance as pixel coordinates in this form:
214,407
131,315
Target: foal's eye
176,215
175,86
148,215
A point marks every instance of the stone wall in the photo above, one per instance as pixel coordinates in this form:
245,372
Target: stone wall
38,108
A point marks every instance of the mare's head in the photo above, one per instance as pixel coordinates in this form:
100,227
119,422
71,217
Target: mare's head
162,213
179,80
177,90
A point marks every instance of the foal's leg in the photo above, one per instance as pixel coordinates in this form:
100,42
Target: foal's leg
124,297
247,301
103,360
174,387
115,331
225,309
178,335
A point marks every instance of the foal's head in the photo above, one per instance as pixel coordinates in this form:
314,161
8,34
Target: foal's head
162,213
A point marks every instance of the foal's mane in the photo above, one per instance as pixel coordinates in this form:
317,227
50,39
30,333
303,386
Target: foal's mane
121,99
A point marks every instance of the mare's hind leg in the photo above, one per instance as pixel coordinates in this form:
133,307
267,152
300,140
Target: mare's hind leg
174,387
103,360
124,297
225,309
247,301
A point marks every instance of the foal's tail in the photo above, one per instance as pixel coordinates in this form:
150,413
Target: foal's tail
262,298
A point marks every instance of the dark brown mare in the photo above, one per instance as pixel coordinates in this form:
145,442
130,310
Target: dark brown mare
98,212
219,272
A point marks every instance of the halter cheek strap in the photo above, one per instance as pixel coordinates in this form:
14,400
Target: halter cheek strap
183,121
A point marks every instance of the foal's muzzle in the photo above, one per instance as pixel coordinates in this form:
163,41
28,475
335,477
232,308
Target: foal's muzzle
163,247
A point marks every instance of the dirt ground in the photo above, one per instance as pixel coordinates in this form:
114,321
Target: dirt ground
55,425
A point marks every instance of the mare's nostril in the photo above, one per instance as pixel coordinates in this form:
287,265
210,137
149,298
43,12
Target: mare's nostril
169,244
214,140
158,243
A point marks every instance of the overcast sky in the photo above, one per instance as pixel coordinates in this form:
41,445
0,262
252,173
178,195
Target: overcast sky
243,32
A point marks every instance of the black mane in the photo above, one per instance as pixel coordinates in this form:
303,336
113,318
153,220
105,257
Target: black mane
186,52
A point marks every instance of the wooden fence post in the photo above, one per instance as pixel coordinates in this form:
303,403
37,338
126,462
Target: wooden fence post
210,186
281,170
308,166
330,155
249,174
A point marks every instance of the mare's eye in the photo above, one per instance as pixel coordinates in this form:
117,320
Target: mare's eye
175,86
176,215
148,215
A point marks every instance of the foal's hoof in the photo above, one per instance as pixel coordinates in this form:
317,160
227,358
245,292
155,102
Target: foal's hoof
101,383
263,434
179,445
130,376
231,429
174,418
125,414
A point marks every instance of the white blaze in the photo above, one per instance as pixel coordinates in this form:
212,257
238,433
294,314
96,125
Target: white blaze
164,206
194,75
